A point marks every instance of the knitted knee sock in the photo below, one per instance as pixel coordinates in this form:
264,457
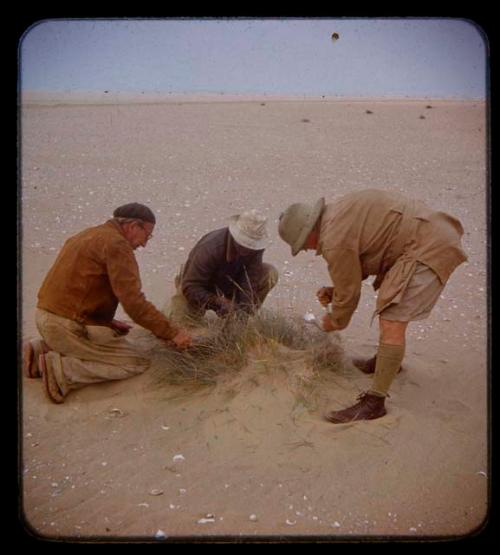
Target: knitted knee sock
389,359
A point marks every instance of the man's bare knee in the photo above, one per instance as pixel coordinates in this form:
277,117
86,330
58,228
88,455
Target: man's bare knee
392,332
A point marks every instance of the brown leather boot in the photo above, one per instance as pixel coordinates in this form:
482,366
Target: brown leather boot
369,407
367,365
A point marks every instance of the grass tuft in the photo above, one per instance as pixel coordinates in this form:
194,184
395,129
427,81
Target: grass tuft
225,346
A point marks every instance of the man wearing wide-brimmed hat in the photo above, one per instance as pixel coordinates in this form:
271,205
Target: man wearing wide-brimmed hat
225,272
82,341
411,249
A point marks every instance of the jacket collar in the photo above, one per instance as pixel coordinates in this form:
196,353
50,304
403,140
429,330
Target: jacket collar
319,247
116,225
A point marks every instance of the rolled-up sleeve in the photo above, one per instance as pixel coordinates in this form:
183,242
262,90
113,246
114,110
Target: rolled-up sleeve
345,272
125,281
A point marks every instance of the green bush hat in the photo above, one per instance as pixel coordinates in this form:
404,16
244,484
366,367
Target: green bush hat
297,222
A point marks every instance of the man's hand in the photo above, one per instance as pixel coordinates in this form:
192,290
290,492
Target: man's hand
327,323
226,306
121,327
182,340
325,295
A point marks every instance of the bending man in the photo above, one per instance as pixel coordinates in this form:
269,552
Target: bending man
411,249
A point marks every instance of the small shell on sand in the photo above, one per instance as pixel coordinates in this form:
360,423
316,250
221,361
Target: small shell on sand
207,518
156,492
160,535
117,413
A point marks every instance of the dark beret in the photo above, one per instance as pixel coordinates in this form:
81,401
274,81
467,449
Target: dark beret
135,210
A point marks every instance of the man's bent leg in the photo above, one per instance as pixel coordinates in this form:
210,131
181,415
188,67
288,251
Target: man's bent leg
73,373
83,355
389,357
180,311
178,308
268,280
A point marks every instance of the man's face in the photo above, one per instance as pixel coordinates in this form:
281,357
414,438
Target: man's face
311,241
139,233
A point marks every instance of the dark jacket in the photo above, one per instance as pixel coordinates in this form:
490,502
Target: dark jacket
214,268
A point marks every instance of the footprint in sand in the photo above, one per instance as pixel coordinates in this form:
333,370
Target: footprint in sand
449,410
376,432
453,405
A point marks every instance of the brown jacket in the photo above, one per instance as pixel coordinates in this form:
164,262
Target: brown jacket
384,234
95,270
214,267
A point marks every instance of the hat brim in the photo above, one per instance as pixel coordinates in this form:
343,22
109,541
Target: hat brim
308,227
245,240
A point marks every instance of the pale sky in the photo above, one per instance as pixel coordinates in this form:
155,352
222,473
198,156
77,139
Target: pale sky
431,57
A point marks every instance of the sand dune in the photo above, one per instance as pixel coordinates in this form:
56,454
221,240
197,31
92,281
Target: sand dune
252,445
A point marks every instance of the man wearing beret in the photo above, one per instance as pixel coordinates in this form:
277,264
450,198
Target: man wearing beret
224,272
82,342
410,248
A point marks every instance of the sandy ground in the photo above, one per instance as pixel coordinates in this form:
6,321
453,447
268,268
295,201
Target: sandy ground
89,467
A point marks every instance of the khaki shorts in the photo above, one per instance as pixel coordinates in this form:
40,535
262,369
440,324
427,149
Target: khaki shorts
419,297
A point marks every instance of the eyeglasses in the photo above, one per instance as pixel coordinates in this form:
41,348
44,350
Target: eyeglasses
148,235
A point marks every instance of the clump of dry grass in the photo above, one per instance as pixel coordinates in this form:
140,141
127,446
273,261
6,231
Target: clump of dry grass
226,346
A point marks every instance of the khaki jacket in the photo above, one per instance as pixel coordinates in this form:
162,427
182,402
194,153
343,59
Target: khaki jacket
384,234
95,270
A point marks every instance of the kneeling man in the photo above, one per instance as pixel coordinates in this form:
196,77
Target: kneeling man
224,272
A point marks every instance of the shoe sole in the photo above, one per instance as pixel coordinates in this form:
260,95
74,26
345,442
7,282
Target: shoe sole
30,367
334,420
31,352
49,382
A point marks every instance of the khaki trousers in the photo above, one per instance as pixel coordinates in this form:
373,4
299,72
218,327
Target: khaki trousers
82,355
180,311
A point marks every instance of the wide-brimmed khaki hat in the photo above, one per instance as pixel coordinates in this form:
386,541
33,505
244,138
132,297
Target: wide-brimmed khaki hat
249,230
297,222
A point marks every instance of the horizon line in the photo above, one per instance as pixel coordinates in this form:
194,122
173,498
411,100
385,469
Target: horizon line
50,97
